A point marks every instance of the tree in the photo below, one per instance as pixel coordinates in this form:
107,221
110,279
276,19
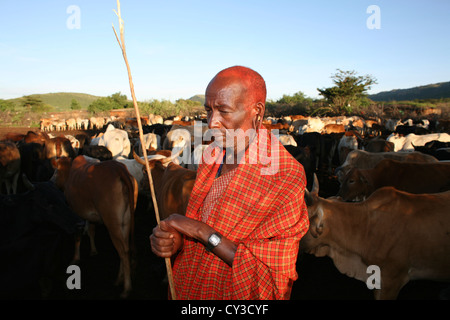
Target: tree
114,101
298,103
119,101
34,104
75,105
349,91
101,104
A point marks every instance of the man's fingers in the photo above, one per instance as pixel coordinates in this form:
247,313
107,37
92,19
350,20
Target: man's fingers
163,230
162,239
162,247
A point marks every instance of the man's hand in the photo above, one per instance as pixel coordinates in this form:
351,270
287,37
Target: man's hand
167,237
165,240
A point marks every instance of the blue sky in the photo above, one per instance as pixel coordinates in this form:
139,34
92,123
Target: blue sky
175,47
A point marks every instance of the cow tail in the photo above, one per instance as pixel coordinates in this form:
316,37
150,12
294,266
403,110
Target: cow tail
127,178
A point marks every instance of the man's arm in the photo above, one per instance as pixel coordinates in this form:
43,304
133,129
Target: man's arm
166,239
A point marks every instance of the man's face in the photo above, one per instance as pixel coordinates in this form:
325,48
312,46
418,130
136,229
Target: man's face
228,108
226,105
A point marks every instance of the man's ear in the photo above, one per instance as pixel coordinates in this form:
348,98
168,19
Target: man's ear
260,108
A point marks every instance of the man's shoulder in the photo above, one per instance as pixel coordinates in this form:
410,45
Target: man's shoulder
288,164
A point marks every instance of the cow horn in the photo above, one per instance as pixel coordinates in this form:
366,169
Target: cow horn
27,183
308,198
138,159
315,186
169,159
309,195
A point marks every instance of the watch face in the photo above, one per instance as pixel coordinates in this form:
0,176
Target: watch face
214,240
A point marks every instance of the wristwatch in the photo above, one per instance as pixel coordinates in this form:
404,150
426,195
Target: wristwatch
213,241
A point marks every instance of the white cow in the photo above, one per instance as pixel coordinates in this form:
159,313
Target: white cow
74,142
116,140
315,124
151,140
346,144
287,140
135,168
407,143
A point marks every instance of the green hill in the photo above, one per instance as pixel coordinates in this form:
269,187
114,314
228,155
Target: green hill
430,91
60,101
198,97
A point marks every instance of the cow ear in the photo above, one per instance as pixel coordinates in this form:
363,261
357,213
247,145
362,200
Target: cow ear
316,223
54,162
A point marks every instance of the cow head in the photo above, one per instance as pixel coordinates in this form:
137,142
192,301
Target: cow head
62,168
312,240
355,186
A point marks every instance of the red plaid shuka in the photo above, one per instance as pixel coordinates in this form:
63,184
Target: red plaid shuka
264,214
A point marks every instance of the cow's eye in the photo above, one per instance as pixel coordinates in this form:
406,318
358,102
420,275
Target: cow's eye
351,181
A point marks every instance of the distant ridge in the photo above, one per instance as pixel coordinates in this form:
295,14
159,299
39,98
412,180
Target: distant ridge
198,97
61,100
430,91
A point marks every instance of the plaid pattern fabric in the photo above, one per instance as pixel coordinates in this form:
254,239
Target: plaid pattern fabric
218,187
265,215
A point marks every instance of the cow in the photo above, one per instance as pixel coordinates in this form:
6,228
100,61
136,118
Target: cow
439,150
155,119
71,124
407,143
172,183
152,141
377,144
9,166
303,155
333,128
411,177
405,235
96,122
34,163
29,137
287,140
314,124
59,124
117,141
59,147
362,159
348,142
135,167
102,192
36,238
101,153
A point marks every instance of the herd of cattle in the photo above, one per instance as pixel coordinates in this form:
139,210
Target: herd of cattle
391,207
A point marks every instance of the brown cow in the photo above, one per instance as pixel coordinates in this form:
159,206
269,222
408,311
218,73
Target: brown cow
333,128
173,184
411,177
405,235
362,159
9,166
59,147
102,192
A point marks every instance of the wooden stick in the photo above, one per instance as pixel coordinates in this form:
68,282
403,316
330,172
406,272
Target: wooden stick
141,136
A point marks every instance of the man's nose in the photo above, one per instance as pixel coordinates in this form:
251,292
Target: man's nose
213,120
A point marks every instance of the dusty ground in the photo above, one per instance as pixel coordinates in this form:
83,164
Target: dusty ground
318,278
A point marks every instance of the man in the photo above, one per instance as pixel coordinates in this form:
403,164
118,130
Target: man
239,237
